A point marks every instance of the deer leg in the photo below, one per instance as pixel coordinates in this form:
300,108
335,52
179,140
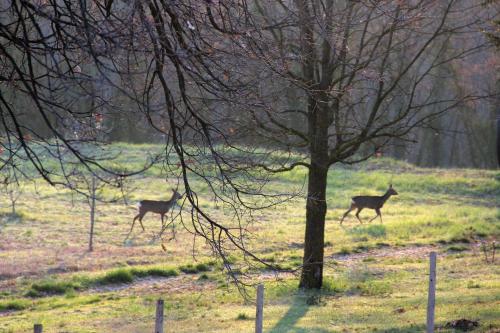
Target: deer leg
133,222
378,214
357,214
348,211
162,223
140,216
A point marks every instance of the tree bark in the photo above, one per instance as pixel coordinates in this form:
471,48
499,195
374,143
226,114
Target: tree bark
312,272
92,215
498,138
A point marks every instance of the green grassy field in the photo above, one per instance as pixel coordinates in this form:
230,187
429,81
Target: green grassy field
375,276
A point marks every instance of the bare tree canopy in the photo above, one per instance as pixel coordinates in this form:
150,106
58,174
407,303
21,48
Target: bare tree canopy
362,75
320,82
63,61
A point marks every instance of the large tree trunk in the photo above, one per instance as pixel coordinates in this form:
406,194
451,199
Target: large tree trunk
92,215
312,271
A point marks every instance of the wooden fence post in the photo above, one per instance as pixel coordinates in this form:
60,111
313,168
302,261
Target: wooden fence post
159,316
259,316
431,302
38,328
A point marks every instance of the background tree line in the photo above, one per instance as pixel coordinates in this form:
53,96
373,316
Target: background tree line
464,137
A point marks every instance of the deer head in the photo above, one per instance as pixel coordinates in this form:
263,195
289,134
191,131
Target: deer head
175,195
391,190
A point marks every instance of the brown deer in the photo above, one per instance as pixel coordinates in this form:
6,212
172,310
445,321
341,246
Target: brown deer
369,201
158,207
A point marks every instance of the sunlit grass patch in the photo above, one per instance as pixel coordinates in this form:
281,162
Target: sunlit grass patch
162,272
116,276
128,275
335,285
51,287
372,230
373,288
194,268
370,288
82,282
14,305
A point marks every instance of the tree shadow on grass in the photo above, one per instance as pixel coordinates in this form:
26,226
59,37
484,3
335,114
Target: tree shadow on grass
297,310
7,218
